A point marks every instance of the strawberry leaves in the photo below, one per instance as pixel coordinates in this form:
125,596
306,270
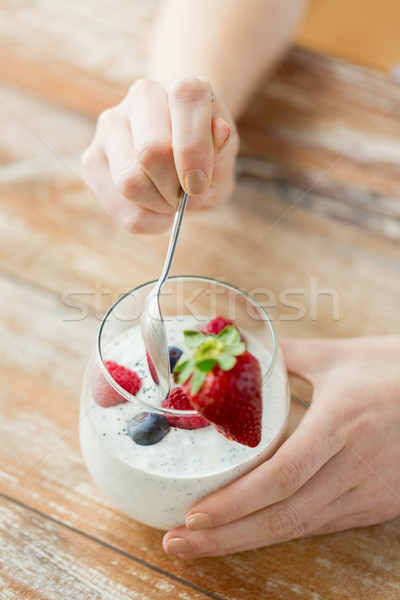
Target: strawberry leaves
207,351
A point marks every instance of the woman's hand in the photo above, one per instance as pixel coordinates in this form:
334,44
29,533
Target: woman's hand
160,138
338,470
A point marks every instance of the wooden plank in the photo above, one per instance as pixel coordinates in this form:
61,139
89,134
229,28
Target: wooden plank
322,134
86,55
51,478
38,137
327,135
72,246
294,570
73,52
42,560
67,245
362,31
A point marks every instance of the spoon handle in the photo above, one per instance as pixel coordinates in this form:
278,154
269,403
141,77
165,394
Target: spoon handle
176,227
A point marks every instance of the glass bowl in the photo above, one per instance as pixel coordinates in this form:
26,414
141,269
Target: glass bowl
157,484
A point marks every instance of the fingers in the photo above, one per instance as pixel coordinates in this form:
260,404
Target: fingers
135,217
325,497
151,134
254,532
157,140
299,458
342,513
191,107
333,473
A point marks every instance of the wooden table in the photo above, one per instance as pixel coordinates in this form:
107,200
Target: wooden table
315,220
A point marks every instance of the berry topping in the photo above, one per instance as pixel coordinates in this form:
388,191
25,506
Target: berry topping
152,369
223,382
179,400
216,325
174,356
106,395
147,429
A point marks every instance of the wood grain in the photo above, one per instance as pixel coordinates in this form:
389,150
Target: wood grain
63,261
327,136
319,130
72,260
54,483
70,243
72,52
361,31
46,561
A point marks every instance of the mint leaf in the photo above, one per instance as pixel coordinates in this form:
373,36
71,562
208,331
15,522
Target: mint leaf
229,335
236,349
197,380
185,357
186,371
226,361
193,339
206,365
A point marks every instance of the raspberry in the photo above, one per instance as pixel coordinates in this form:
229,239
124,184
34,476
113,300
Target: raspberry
106,395
179,400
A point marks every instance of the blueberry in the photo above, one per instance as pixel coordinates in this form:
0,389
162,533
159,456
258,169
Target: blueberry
174,356
148,428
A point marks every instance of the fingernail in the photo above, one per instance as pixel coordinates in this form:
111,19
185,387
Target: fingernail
198,521
195,182
177,546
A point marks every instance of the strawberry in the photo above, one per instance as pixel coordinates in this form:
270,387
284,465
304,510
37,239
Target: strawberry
179,400
105,395
216,325
223,382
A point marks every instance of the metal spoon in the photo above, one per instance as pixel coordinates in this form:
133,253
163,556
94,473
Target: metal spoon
151,322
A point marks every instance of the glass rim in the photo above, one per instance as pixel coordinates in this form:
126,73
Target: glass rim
172,411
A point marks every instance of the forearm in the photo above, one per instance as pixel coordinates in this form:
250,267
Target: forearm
233,43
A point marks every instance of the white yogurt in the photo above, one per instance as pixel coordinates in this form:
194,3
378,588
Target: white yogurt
157,484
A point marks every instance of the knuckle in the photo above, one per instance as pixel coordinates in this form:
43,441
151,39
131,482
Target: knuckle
283,521
286,479
152,154
214,545
207,541
192,156
361,469
190,89
365,428
105,117
126,182
140,86
137,226
232,510
299,531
